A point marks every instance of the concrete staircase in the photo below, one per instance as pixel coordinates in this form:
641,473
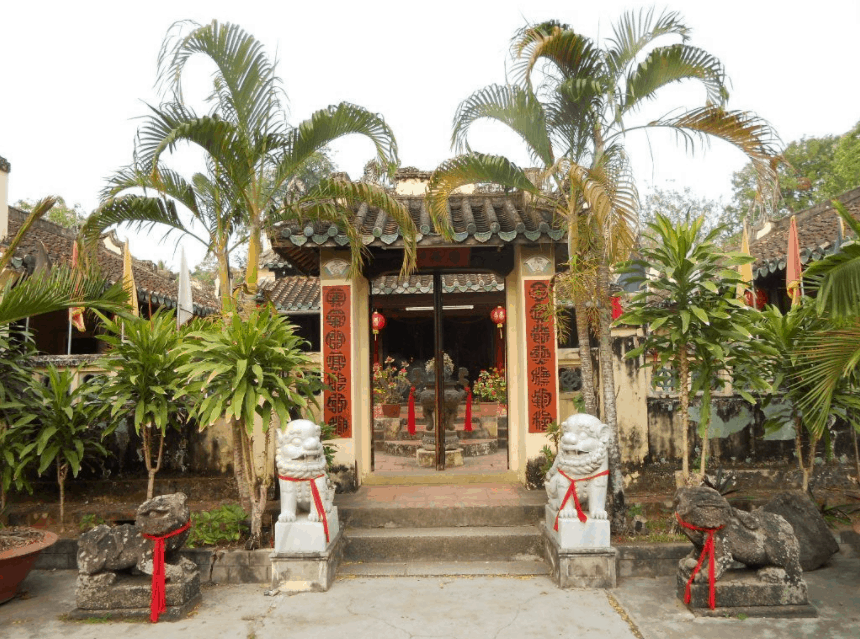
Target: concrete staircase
467,529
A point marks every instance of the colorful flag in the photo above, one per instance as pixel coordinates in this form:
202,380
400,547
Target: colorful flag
128,280
76,313
745,288
185,305
793,269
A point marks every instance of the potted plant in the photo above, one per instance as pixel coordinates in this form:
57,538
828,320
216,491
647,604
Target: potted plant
389,383
491,389
19,548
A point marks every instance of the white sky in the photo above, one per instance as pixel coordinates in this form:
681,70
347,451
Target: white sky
75,75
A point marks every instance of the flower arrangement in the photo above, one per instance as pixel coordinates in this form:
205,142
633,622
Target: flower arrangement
491,386
389,381
430,366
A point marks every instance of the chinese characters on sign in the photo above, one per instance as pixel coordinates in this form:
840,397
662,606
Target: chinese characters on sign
540,352
336,358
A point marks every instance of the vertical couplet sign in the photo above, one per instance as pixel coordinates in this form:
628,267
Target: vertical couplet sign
540,357
337,362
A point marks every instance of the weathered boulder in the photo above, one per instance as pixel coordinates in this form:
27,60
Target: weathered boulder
817,544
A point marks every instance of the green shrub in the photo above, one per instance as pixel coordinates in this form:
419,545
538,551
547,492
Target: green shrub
223,525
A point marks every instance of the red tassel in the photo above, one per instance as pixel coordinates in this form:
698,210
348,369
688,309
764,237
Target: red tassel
571,491
412,411
708,550
158,603
468,425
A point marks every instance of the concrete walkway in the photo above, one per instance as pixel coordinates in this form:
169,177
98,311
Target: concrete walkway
476,607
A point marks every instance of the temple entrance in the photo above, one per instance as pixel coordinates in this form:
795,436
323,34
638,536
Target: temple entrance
414,430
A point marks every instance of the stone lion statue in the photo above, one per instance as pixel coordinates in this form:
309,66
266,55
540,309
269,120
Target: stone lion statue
758,539
301,459
582,454
111,548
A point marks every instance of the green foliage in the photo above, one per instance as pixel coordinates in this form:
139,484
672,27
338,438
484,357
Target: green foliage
553,433
815,169
225,524
16,400
142,377
328,432
90,520
61,213
246,368
692,313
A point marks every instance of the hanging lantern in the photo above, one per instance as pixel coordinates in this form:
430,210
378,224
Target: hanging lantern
498,316
377,321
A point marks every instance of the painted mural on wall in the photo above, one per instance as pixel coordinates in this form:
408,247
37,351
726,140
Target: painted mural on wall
540,355
336,358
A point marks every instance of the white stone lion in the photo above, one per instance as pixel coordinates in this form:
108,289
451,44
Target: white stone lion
301,458
582,453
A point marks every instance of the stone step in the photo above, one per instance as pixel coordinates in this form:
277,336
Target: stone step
452,516
449,544
444,568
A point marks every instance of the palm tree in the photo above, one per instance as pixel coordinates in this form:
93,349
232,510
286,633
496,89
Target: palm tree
252,150
574,123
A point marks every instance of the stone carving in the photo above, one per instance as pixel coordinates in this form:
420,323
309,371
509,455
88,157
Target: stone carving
115,564
758,539
336,267
301,459
582,460
814,538
110,548
538,265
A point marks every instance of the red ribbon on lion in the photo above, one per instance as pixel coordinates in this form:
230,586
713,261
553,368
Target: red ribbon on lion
315,492
571,490
707,550
158,604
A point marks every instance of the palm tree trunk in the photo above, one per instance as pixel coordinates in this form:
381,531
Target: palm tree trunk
684,410
798,444
704,428
251,270
610,413
807,472
150,486
62,471
585,364
225,293
239,470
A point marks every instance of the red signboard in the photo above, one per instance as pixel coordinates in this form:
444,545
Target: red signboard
540,357
443,257
337,360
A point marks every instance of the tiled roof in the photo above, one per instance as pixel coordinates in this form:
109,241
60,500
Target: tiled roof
301,294
817,230
151,284
490,219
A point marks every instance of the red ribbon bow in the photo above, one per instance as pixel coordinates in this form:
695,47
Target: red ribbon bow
708,550
315,492
158,604
571,490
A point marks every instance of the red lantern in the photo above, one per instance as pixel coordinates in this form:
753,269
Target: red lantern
498,316
377,321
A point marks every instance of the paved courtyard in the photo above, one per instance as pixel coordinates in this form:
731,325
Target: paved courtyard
455,607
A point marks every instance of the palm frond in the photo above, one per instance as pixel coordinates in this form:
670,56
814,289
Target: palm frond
743,129
837,276
39,209
473,168
514,107
246,90
635,31
675,63
571,53
59,289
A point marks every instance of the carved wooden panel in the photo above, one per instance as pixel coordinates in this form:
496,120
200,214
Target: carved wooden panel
337,360
540,357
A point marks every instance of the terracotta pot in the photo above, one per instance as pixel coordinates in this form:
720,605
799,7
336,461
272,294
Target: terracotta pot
391,410
16,563
488,409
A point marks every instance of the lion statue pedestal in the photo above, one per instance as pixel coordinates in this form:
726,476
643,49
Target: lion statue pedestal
576,526
769,581
308,546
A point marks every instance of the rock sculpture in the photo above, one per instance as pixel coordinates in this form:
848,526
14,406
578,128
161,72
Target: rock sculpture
304,485
578,479
113,562
816,542
721,535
